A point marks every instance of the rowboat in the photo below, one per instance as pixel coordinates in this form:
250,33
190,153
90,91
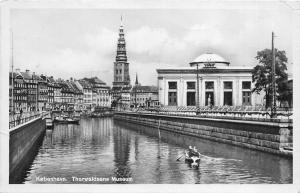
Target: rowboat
49,123
193,159
66,120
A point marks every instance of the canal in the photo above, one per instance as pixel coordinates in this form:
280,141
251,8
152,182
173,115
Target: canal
104,150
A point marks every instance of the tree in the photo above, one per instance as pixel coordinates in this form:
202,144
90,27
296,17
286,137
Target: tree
262,75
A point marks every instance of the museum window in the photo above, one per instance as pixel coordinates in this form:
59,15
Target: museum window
228,98
227,93
246,98
209,99
209,93
172,85
246,93
190,85
190,99
172,98
246,85
227,85
209,85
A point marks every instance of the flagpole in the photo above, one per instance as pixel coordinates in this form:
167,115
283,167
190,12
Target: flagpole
273,107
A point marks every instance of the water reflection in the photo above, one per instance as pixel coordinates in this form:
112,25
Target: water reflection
107,148
226,163
121,139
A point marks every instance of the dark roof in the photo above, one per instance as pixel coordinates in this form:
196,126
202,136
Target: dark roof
145,88
75,88
94,81
38,78
51,79
126,88
26,75
65,87
116,88
16,75
85,84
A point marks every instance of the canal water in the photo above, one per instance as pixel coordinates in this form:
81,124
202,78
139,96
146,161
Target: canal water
104,150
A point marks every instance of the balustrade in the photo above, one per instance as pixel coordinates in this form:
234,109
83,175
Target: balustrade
20,118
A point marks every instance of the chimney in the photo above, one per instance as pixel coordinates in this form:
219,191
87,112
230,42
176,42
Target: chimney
17,70
71,79
51,76
27,71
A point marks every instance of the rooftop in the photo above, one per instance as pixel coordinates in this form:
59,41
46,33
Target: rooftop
209,58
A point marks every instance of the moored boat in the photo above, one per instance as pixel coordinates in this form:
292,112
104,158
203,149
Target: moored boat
49,123
103,114
66,120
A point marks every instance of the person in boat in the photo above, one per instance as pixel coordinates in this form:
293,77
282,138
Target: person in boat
196,152
192,151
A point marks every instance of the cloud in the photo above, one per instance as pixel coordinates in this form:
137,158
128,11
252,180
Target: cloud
88,46
153,42
205,34
103,42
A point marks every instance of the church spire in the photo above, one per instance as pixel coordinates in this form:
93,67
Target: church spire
121,20
121,66
136,79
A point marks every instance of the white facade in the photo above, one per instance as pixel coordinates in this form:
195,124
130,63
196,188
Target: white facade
141,95
238,82
87,94
104,98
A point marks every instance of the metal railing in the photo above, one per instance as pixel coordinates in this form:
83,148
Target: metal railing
20,118
284,115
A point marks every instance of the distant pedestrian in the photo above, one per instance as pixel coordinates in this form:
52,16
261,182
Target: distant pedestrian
20,115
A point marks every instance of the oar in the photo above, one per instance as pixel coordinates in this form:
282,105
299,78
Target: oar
179,157
206,156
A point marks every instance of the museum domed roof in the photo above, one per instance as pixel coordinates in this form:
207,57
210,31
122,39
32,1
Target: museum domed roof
209,58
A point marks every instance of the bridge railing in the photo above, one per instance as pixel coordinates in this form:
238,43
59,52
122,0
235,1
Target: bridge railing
223,112
20,118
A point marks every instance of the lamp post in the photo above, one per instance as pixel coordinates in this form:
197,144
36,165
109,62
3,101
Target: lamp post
273,106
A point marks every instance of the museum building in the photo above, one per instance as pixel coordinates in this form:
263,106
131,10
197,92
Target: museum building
219,84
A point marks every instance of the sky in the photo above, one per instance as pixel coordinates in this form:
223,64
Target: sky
81,43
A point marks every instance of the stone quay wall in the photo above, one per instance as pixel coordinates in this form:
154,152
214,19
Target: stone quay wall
23,141
263,136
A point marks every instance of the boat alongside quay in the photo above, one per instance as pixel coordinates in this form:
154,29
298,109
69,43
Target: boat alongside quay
66,120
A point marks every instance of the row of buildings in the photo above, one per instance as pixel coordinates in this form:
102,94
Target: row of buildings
209,80
33,92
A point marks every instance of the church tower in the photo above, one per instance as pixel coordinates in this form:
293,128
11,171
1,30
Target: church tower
121,66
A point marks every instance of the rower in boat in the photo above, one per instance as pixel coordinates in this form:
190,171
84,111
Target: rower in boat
193,152
192,156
